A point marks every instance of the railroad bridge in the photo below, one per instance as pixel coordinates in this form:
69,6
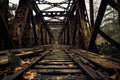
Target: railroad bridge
57,40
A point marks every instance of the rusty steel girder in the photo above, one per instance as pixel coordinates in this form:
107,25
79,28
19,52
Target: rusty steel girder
96,29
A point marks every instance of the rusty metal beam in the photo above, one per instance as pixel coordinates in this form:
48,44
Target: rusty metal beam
56,5
52,5
34,28
81,42
68,33
114,5
20,21
38,12
74,32
73,7
82,17
55,23
113,42
41,33
98,21
54,17
50,40
4,9
64,34
8,42
26,36
91,13
46,37
61,36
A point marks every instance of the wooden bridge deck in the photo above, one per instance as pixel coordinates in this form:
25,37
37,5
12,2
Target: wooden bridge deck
65,63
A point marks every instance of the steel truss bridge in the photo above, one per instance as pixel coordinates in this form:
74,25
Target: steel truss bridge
67,23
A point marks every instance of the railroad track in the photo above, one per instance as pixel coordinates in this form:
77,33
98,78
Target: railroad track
60,64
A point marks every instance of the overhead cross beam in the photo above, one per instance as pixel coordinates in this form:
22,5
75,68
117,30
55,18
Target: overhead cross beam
57,18
52,5
46,2
53,13
55,23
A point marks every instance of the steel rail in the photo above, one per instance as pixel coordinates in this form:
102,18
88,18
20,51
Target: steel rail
17,74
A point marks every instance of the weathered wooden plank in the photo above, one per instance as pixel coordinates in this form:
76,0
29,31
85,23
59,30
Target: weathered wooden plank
57,71
55,67
59,63
61,77
101,60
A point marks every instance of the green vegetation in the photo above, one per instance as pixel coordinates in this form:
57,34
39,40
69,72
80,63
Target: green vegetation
110,26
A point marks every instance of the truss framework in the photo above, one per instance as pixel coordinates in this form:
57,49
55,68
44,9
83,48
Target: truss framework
78,29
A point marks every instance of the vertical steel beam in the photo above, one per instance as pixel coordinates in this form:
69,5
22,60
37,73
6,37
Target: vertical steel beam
64,37
39,21
20,20
4,35
61,37
50,40
91,13
26,34
34,28
83,20
45,37
8,43
74,32
43,34
4,9
98,21
81,41
41,31
38,31
68,33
